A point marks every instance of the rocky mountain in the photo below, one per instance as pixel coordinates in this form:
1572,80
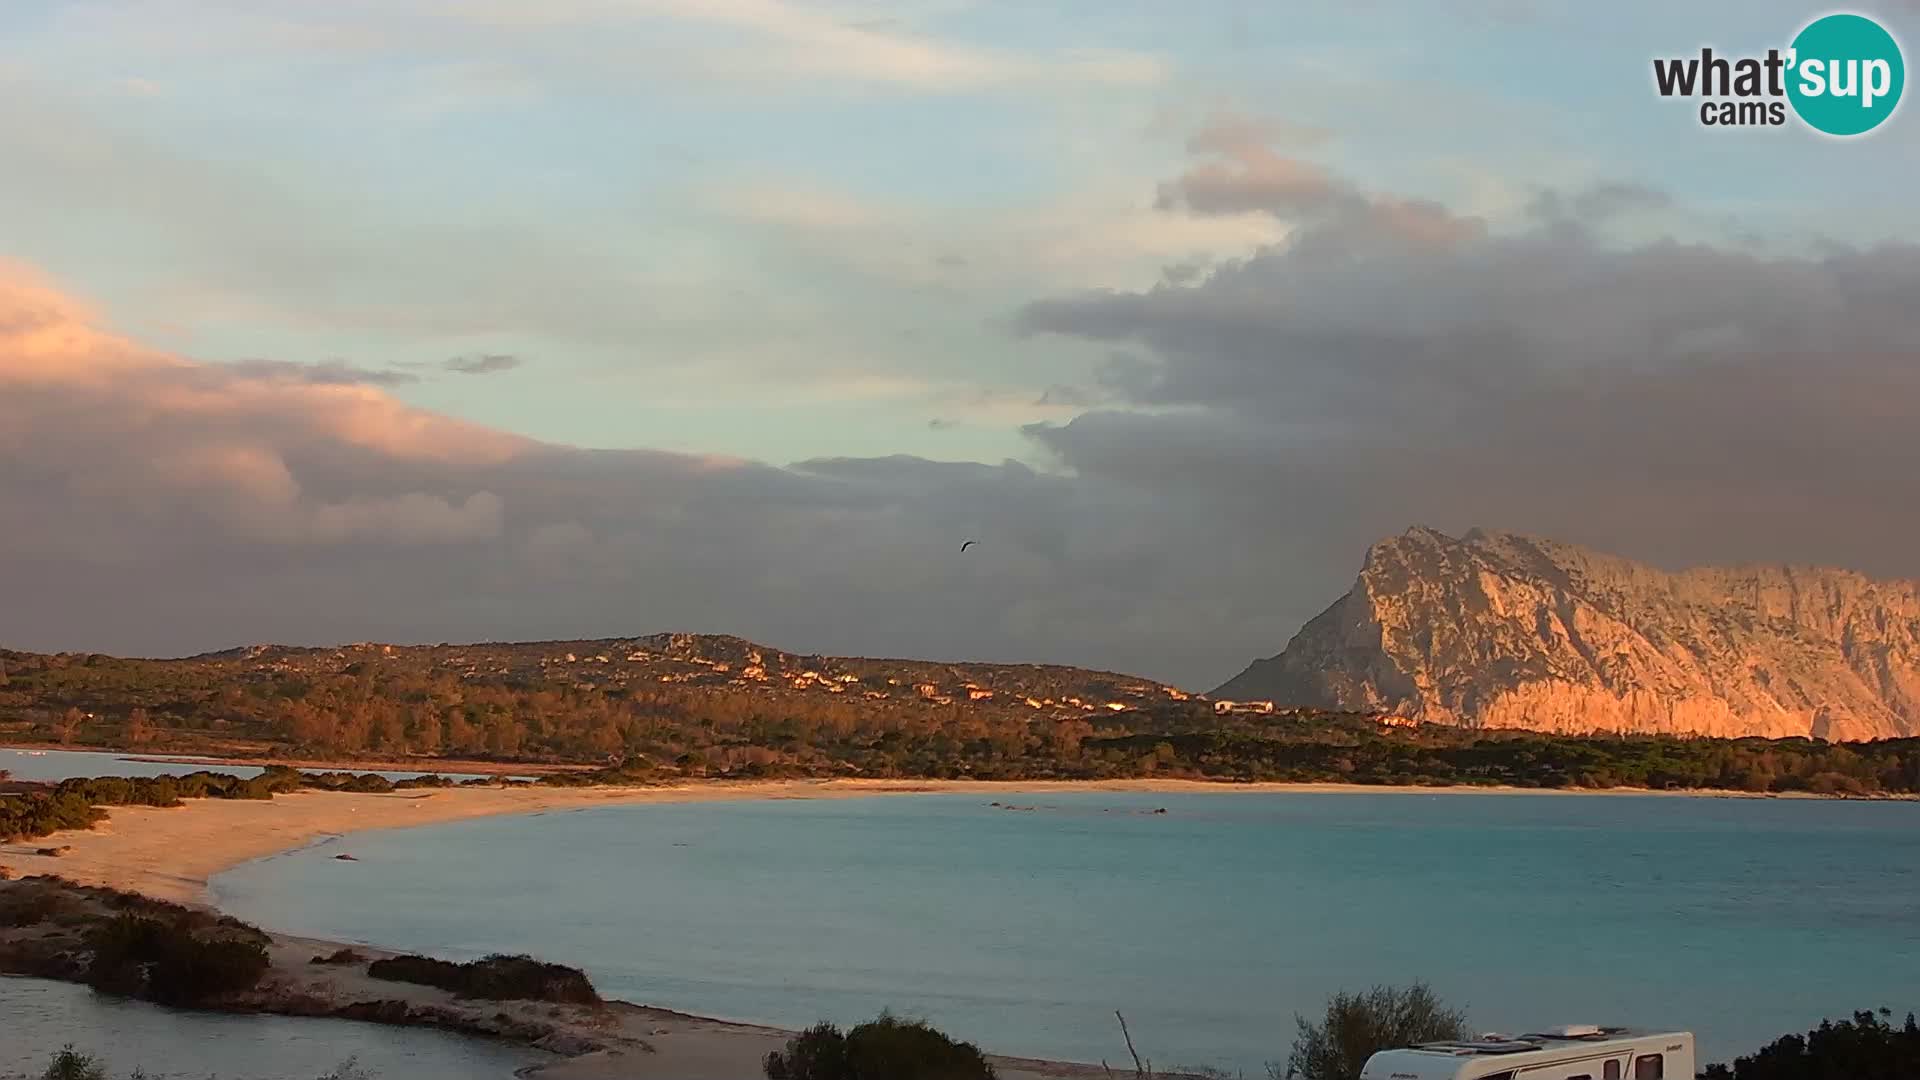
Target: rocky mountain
1500,630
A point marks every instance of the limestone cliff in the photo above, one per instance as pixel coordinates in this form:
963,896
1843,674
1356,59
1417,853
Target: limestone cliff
1501,630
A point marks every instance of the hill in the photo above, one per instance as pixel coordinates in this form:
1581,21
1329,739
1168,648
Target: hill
674,706
581,700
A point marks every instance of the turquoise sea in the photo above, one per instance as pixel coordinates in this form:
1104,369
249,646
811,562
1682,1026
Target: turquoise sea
1209,925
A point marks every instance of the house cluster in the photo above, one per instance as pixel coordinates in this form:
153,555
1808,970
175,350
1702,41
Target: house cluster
735,664
1223,706
832,684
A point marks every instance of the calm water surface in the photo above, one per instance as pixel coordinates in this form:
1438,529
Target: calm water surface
37,1018
1210,925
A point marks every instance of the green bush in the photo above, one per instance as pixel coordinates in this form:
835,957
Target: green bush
494,978
1357,1026
148,958
68,1064
884,1049
363,783
430,780
1866,1047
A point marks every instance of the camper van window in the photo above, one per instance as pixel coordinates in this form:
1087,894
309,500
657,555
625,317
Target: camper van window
1649,1067
1611,1071
1582,1076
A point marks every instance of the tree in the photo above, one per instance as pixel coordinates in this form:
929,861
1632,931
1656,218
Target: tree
426,729
1866,1047
1357,1026
68,724
139,727
884,1049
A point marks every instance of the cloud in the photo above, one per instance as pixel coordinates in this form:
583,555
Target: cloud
1599,203
726,41
1078,397
798,41
156,504
326,372
482,364
1254,179
240,236
1393,362
1244,175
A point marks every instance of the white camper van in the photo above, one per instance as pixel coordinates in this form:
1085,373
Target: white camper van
1577,1052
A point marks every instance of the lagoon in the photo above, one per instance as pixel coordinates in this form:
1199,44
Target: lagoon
1210,925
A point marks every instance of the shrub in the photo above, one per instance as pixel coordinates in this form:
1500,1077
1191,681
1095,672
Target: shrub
493,978
339,956
1357,1026
884,1049
71,1065
568,779
430,780
170,963
1866,1047
26,907
362,783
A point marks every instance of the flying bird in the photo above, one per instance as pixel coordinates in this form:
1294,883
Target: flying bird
967,545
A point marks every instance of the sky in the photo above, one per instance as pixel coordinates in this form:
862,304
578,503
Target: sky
425,320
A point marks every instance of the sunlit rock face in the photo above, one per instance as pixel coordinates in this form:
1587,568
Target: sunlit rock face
1501,630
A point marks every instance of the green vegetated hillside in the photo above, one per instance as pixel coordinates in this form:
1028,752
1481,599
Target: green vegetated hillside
701,705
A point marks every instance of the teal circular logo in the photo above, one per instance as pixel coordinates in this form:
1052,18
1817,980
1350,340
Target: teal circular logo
1846,74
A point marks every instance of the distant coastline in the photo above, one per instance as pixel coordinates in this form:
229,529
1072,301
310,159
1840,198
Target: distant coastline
256,759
